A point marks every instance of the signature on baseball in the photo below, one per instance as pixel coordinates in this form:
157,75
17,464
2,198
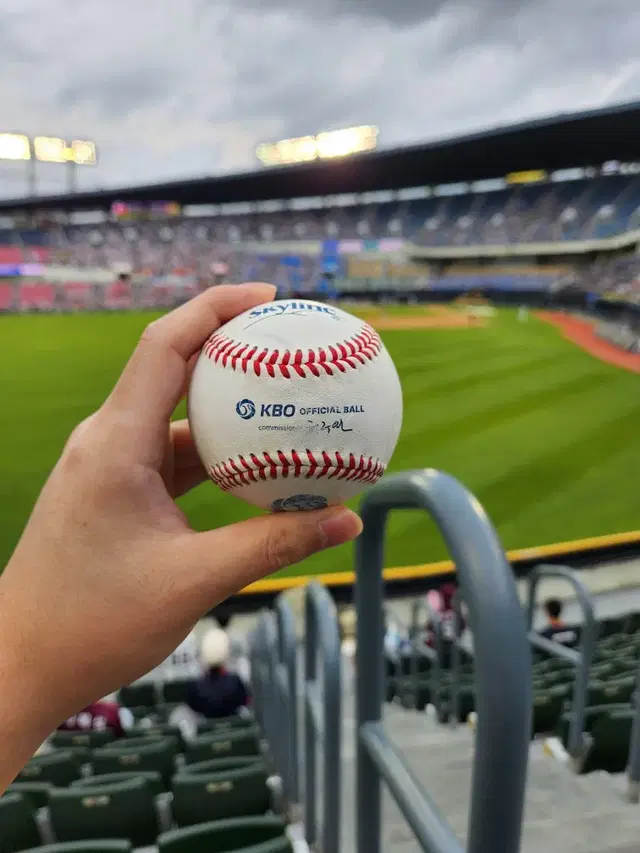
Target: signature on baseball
336,426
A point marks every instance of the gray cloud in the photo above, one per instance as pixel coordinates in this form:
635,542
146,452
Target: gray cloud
191,89
115,93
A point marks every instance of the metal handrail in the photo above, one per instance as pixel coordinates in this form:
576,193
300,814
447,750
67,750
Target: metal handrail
322,717
503,672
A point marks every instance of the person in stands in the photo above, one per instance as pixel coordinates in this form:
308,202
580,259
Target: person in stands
441,603
219,693
556,628
442,607
101,716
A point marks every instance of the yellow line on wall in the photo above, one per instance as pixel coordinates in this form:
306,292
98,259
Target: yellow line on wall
427,570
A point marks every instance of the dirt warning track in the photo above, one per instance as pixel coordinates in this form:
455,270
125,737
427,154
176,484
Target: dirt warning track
582,333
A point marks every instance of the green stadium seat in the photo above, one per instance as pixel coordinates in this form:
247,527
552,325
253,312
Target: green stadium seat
592,715
88,846
619,691
611,734
236,835
37,793
224,724
204,797
57,768
217,765
547,708
602,671
164,730
81,755
154,780
609,627
632,624
89,739
135,695
225,745
176,692
124,810
18,828
154,754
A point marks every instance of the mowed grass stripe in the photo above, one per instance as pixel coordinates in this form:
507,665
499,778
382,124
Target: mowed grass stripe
604,493
436,419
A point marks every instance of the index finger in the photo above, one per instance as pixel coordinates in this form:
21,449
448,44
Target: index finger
152,383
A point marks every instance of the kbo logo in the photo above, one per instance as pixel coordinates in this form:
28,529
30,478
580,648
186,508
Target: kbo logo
247,409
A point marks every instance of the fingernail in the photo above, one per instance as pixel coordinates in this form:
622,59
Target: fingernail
342,526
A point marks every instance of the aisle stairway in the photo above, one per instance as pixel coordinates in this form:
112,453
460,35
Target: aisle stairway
564,813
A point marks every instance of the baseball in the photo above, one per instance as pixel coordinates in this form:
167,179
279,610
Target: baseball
295,405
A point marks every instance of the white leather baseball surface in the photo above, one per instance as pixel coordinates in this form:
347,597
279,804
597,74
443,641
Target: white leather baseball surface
295,405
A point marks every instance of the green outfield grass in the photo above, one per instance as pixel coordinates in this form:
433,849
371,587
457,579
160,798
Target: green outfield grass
547,437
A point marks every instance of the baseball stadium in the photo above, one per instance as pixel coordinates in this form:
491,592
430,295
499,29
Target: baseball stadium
502,272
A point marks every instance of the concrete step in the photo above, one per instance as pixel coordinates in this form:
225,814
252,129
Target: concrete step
564,813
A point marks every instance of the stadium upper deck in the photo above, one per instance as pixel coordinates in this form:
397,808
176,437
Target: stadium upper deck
561,186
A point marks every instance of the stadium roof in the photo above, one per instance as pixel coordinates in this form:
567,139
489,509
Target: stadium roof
559,142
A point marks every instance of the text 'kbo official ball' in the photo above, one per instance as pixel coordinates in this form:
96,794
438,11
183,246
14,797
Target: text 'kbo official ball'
295,405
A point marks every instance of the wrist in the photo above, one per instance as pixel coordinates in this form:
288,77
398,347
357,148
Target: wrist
25,717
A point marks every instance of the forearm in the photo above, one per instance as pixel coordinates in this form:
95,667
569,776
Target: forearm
25,720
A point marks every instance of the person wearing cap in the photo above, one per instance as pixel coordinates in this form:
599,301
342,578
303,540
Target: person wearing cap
219,693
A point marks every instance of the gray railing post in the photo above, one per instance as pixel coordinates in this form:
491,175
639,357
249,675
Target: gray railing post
633,769
456,659
503,674
322,717
262,669
286,682
581,659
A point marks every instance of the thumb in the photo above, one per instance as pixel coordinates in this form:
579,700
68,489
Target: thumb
221,562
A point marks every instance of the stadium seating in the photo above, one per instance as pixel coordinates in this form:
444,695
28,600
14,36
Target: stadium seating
87,846
236,835
138,695
579,210
153,779
121,810
153,754
37,793
229,744
206,796
175,692
610,699
18,828
216,765
58,768
90,739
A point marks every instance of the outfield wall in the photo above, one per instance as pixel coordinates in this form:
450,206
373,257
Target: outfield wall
413,580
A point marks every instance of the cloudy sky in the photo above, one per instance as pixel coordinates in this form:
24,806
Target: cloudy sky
174,88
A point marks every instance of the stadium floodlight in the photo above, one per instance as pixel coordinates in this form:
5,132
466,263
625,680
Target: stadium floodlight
84,152
14,146
328,145
53,149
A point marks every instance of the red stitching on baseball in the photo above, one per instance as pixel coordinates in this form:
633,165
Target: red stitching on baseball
353,352
243,471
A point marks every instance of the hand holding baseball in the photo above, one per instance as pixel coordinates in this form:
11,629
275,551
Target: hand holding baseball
108,577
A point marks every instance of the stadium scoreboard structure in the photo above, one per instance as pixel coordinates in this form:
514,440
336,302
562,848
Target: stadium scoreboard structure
17,147
329,145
